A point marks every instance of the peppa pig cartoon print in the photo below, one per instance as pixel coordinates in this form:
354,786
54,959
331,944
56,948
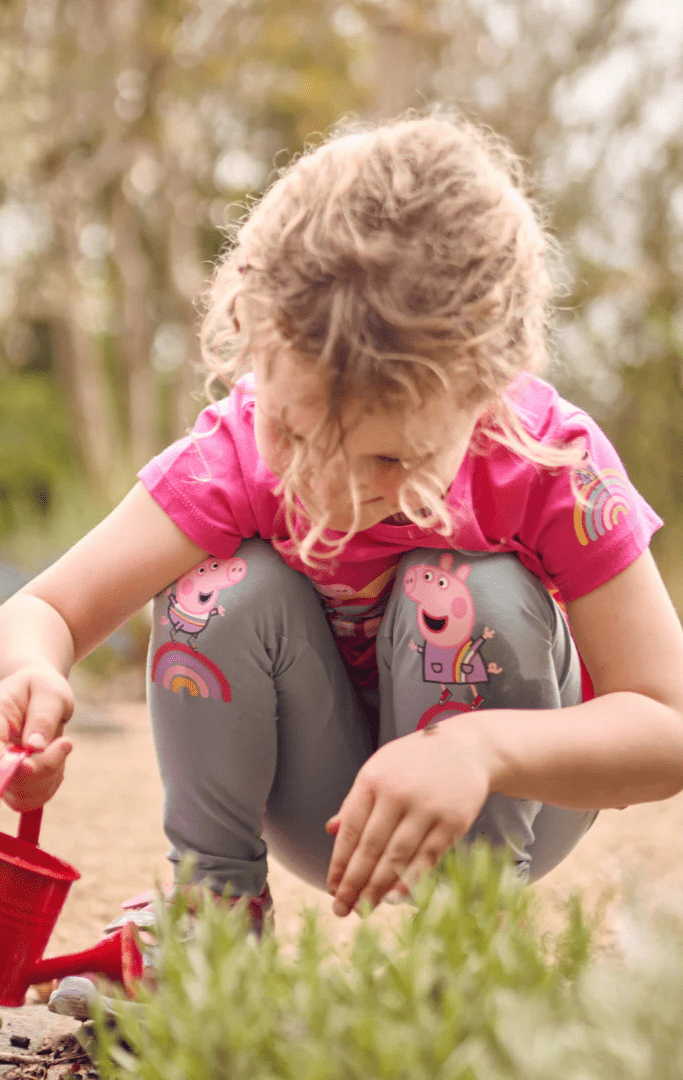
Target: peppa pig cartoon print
445,618
192,600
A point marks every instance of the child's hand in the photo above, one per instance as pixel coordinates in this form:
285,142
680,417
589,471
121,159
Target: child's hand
35,703
411,802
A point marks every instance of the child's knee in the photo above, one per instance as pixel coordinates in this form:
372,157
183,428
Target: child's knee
481,623
507,823
216,593
462,586
449,598
537,836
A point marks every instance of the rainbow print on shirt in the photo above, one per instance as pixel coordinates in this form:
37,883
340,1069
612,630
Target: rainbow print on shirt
602,500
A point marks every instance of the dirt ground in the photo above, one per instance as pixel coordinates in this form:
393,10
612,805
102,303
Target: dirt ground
106,821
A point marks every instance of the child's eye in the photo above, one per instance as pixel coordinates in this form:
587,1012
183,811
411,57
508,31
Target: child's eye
291,436
288,436
388,460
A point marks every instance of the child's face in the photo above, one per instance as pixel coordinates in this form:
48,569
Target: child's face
376,445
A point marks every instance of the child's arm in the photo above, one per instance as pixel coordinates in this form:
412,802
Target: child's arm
625,746
418,795
63,614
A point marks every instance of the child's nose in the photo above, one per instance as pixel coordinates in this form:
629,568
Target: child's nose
385,480
333,477
388,489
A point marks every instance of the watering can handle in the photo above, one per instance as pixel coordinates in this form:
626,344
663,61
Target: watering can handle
29,823
29,826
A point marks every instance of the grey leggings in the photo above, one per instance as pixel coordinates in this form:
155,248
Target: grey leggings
260,734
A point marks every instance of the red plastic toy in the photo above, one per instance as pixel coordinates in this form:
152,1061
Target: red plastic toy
33,888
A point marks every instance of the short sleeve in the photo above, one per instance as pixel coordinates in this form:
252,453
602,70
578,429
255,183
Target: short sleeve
200,481
586,523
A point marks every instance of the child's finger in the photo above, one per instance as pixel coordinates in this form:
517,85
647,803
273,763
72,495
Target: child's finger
400,853
433,847
11,715
38,777
47,712
332,825
50,760
354,812
372,840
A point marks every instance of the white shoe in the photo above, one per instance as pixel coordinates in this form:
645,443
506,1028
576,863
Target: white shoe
75,996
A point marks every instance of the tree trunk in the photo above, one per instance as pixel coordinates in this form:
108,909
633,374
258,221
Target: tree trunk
135,278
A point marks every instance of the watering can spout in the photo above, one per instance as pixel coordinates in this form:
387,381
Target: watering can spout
118,958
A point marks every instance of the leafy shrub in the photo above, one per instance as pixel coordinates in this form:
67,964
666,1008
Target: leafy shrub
464,991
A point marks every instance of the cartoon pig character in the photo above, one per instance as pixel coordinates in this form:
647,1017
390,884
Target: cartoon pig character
446,618
191,600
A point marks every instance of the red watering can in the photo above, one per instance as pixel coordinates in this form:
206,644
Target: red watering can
33,888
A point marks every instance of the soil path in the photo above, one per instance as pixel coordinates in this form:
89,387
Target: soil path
106,821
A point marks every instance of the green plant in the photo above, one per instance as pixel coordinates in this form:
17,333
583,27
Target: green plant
433,1000
464,991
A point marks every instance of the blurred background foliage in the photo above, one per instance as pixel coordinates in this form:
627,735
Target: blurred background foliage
132,131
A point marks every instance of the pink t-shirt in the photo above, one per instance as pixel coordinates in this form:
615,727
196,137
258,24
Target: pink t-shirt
215,487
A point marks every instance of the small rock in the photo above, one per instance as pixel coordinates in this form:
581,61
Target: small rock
21,1041
60,1045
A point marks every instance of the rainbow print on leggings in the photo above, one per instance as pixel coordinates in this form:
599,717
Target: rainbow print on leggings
602,499
177,666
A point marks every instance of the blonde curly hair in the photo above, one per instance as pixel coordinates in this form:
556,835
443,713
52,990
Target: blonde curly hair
401,262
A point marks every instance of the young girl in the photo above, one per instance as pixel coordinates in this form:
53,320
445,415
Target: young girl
361,556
